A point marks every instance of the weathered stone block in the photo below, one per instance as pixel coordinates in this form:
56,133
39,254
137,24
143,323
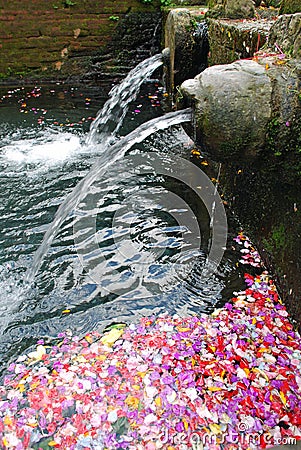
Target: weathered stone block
187,40
232,9
286,33
230,40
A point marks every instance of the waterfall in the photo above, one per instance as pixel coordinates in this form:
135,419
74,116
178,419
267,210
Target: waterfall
110,117
102,132
106,159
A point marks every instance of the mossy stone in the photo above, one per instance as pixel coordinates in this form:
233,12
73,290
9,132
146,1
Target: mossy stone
290,7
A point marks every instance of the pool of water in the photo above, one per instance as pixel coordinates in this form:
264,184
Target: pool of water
43,155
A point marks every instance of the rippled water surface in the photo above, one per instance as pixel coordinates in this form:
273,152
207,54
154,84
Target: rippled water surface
43,155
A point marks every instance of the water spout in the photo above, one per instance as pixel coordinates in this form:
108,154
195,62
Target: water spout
106,160
109,119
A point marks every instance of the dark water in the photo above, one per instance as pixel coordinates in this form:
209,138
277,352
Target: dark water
43,155
266,195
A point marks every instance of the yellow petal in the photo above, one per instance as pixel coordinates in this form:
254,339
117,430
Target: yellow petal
264,349
21,387
185,424
216,429
89,338
158,401
132,402
112,336
283,398
7,420
141,374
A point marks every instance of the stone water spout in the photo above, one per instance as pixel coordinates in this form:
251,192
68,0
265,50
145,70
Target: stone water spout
245,107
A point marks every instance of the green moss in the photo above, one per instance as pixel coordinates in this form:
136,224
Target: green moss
277,241
157,3
68,3
273,3
190,28
272,135
290,7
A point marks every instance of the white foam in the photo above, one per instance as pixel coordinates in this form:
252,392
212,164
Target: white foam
49,147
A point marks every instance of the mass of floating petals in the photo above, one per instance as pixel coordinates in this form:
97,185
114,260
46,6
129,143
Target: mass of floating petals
231,380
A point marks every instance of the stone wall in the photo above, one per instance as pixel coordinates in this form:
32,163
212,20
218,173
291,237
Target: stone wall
230,40
56,36
186,37
286,33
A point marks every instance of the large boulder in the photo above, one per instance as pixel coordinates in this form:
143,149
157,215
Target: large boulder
245,107
232,107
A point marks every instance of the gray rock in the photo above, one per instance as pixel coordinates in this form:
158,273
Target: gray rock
236,9
286,33
232,108
188,46
232,9
290,6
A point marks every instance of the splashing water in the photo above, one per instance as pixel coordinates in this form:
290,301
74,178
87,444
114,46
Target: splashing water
102,130
110,117
49,149
107,159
